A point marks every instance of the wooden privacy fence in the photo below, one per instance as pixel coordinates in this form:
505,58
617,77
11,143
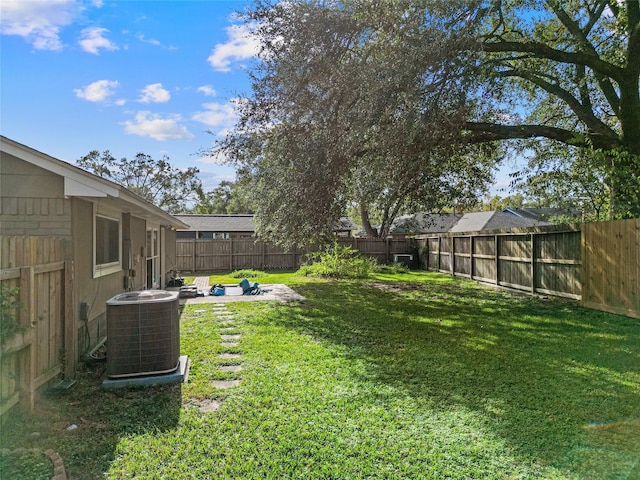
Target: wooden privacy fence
597,263
611,266
235,254
537,261
30,359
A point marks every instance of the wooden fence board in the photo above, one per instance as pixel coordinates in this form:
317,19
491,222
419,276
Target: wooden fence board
598,264
28,361
533,261
611,266
234,254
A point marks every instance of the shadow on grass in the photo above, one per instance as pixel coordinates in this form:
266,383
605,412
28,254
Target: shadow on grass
549,377
85,424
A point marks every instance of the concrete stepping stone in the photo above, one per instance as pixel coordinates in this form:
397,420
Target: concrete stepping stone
225,383
227,355
226,322
231,337
229,344
209,405
230,368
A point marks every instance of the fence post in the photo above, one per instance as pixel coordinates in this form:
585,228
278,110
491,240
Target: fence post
388,240
28,360
471,239
193,255
452,255
496,248
231,254
533,263
70,326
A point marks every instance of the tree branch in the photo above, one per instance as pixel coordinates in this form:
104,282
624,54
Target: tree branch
584,114
487,132
540,50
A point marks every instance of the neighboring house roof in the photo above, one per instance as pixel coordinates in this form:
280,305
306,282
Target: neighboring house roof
219,223
238,223
86,185
345,223
541,213
493,220
417,223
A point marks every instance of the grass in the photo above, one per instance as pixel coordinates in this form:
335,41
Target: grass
410,375
25,465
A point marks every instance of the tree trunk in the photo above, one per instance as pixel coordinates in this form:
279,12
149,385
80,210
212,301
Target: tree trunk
366,223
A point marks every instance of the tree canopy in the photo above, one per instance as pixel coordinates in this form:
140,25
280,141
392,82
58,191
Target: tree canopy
157,181
409,103
572,68
227,198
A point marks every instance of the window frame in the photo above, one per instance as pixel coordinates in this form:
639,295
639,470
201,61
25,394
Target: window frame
152,251
102,269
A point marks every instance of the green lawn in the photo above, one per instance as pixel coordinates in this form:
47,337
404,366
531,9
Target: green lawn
400,376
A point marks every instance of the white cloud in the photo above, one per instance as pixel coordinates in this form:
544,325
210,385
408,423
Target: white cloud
152,125
208,90
99,91
152,41
242,45
38,21
217,115
92,39
154,93
97,3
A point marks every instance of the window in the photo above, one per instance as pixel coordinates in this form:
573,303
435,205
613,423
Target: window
153,258
106,245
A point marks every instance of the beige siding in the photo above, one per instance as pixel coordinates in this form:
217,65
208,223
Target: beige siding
134,251
92,291
32,201
169,253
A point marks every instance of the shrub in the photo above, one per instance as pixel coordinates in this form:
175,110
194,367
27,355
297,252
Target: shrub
392,269
338,262
248,273
9,306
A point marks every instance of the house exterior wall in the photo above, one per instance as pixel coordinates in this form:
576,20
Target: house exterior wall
90,291
133,253
32,201
61,203
169,254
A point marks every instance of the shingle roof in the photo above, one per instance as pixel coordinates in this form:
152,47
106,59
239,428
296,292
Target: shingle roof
345,223
541,213
494,220
219,223
424,223
238,223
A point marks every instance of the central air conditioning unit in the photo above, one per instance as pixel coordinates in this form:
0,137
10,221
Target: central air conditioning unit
143,334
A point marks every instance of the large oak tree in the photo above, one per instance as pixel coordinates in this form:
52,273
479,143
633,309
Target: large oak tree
404,95
348,106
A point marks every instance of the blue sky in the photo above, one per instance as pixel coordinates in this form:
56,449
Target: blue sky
125,76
